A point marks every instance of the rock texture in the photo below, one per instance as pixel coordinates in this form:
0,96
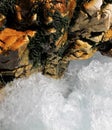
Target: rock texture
45,35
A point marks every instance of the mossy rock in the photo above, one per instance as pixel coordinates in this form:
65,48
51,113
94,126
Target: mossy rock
45,35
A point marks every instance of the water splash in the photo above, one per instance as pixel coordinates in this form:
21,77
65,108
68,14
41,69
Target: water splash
79,101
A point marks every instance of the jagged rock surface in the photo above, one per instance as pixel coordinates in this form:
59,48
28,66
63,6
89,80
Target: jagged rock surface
45,35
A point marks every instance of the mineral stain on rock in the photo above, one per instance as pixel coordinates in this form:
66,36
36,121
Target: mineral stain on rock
45,35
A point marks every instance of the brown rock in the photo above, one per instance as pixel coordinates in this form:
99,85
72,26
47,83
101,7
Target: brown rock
2,20
14,53
2,94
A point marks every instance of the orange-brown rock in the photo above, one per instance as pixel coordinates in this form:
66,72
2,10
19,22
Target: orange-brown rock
14,53
12,40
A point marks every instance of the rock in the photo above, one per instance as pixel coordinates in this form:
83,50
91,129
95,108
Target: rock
45,35
2,94
2,21
14,53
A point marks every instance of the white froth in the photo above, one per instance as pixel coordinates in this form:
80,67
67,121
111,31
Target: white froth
82,100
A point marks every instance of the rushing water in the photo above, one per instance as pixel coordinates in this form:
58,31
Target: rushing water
82,100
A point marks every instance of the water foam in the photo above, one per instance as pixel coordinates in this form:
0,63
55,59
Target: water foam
82,100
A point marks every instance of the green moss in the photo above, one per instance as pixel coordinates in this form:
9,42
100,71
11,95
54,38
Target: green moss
7,9
108,1
35,49
43,44
7,6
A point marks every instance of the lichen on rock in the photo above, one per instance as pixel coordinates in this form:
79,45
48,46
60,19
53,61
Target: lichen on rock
45,35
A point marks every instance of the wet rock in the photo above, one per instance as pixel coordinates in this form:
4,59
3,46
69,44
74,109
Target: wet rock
45,35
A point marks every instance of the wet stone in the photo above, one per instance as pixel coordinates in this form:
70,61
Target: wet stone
45,35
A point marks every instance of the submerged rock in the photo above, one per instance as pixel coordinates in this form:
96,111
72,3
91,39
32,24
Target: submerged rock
45,35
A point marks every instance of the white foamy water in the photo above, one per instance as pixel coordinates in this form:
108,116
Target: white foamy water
82,100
